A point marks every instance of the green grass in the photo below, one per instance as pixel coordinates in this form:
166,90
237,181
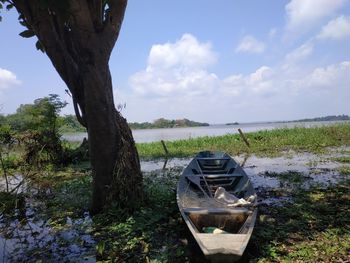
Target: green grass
345,170
342,159
294,177
9,202
150,232
267,143
314,228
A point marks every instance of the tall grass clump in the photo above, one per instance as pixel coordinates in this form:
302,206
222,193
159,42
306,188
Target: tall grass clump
266,142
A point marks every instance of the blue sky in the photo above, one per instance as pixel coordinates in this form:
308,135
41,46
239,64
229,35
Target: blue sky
212,61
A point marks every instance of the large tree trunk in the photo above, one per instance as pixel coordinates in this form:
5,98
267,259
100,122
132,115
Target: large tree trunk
78,36
114,158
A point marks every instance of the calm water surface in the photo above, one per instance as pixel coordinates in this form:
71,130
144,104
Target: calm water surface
171,134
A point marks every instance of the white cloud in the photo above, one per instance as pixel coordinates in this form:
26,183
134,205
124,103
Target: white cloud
186,52
299,53
181,86
170,83
7,79
338,28
304,15
177,68
264,94
261,74
331,78
233,85
321,90
258,82
251,45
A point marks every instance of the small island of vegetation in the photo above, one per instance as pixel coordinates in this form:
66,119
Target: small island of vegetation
164,123
232,123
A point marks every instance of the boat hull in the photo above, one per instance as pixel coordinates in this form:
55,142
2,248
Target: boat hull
202,211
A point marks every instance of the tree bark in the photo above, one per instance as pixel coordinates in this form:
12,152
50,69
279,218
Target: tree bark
114,158
79,40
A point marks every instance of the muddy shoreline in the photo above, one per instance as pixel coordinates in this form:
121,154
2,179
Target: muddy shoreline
33,232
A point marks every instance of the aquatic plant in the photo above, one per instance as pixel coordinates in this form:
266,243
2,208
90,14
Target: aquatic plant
262,143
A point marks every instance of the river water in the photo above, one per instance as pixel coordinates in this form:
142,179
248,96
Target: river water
171,134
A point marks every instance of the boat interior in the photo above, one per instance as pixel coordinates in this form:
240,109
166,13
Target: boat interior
210,170
232,223
207,172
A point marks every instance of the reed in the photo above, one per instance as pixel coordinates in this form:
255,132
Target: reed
262,143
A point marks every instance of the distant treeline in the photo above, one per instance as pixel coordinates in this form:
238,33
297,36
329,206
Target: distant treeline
326,118
164,123
44,112
69,123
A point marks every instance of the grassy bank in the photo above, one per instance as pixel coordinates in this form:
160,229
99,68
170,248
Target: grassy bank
311,226
268,143
314,227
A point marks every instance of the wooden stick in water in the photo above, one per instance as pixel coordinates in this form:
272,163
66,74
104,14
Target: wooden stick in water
164,147
243,137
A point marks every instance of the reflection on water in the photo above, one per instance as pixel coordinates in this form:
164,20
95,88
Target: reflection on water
312,170
14,183
151,166
30,237
273,178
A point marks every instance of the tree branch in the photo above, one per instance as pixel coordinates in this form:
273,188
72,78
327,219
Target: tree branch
71,41
96,13
113,22
81,21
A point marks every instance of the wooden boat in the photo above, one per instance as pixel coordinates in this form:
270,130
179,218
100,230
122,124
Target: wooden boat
207,196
